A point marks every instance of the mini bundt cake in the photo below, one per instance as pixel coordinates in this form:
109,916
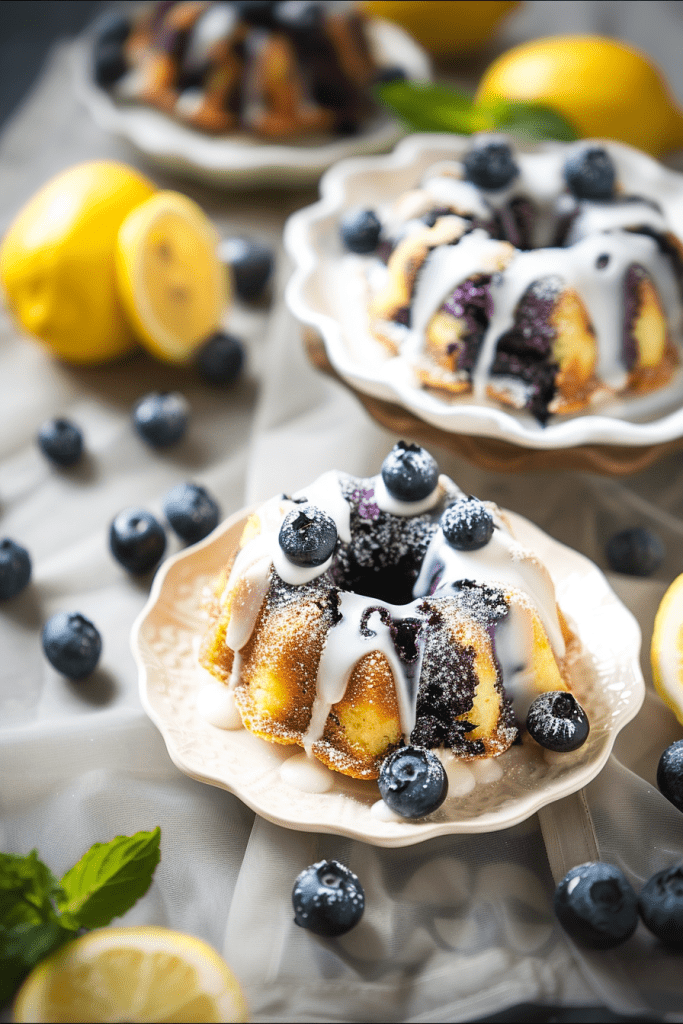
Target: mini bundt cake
362,614
536,280
273,69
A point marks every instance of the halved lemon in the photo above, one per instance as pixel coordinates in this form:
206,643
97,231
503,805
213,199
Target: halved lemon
171,281
667,648
133,974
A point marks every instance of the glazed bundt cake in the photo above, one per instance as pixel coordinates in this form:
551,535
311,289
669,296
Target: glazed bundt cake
362,614
272,69
536,280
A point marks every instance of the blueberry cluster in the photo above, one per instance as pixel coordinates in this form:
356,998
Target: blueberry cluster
597,906
328,899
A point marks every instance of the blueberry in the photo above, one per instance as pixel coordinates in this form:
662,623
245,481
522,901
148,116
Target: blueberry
490,165
109,62
661,905
15,568
557,721
160,418
409,472
61,441
137,540
72,644
413,782
220,359
636,552
360,230
467,525
251,263
308,536
596,905
392,73
590,174
191,511
328,899
670,774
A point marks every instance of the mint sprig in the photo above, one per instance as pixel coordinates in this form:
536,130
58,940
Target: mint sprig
38,913
425,107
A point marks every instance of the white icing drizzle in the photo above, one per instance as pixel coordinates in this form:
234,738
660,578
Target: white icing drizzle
346,644
216,705
388,503
306,774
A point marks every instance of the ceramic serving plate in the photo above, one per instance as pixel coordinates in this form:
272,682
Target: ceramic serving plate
327,294
491,795
240,160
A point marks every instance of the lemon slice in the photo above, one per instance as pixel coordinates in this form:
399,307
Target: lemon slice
667,648
132,974
172,284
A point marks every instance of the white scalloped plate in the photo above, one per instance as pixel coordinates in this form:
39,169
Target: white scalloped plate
605,676
327,293
241,161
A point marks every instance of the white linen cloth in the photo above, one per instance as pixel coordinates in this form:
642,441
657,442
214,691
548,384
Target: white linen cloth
456,928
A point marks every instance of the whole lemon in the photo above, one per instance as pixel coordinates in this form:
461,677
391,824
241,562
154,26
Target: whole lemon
444,26
57,263
605,88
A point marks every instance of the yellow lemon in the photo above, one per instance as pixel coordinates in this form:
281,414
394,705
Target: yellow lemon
666,650
444,26
605,88
57,261
171,281
132,974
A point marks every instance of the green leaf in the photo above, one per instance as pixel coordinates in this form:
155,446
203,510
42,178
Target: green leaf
425,107
21,948
28,890
109,879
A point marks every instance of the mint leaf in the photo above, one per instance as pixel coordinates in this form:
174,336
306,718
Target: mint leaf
21,948
109,879
425,107
28,890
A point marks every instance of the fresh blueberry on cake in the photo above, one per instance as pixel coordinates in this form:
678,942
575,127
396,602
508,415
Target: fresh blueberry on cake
590,174
596,905
661,905
15,568
670,774
557,721
72,644
409,472
161,418
328,899
191,511
137,540
350,624
467,524
61,441
490,166
547,282
413,782
360,231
